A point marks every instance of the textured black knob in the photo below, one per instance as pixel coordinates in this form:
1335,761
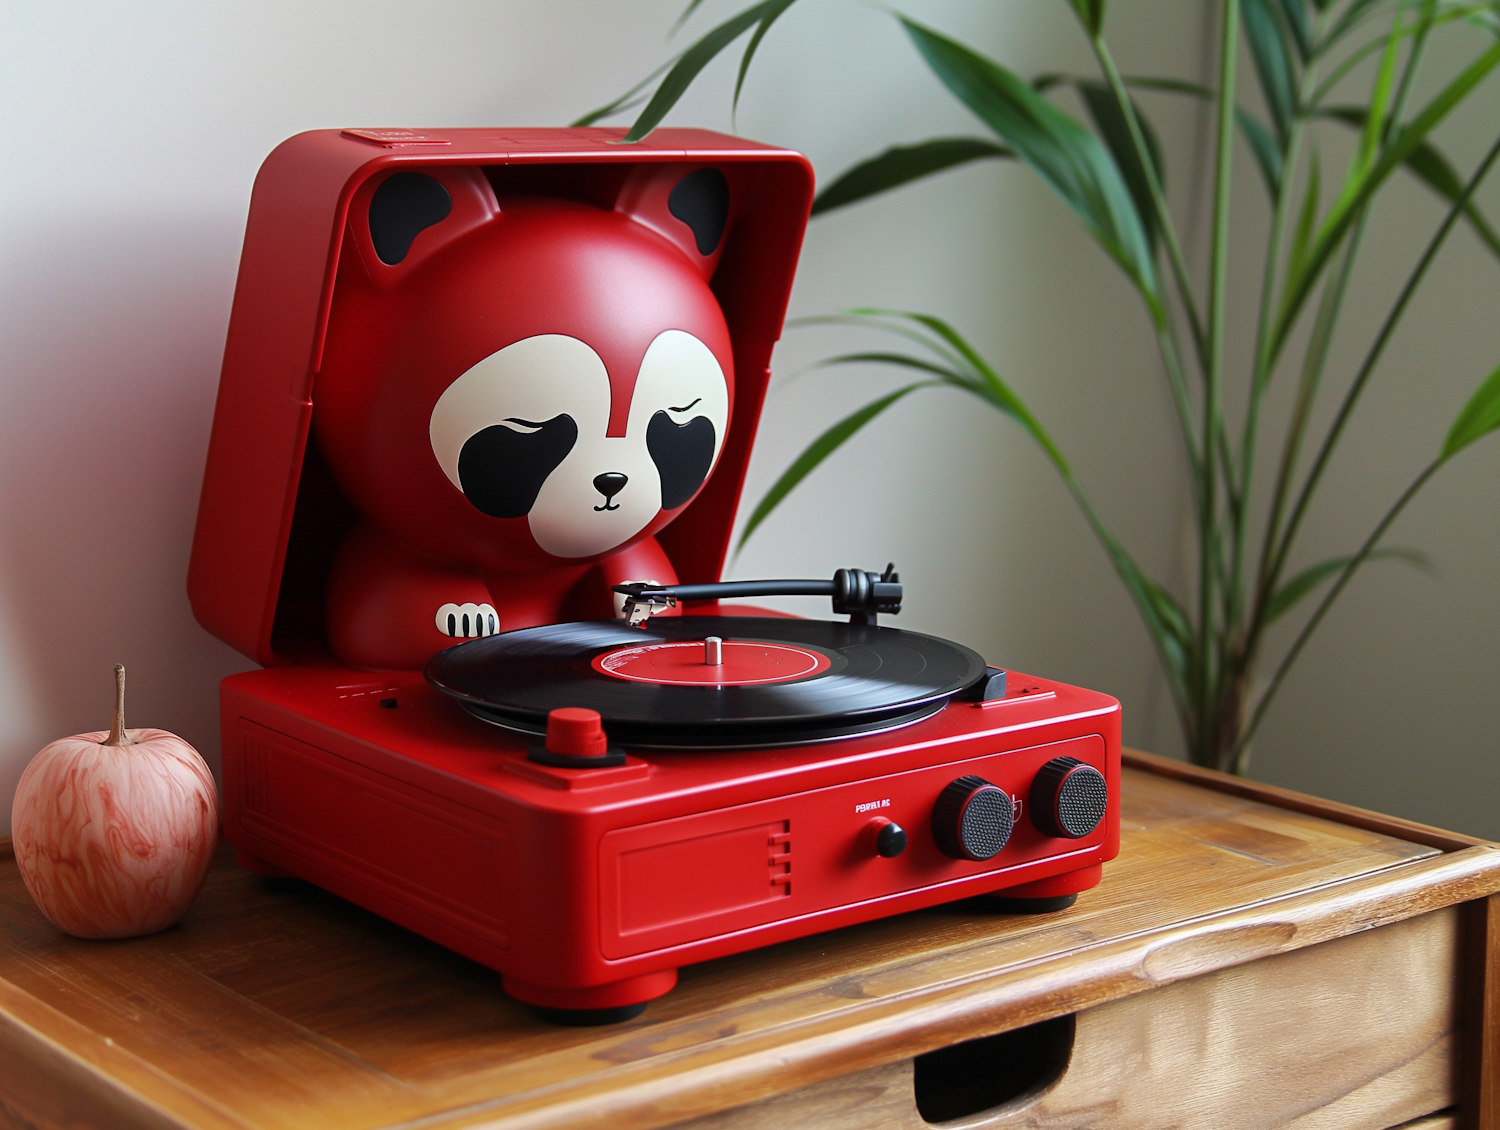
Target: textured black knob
890,841
972,819
1068,798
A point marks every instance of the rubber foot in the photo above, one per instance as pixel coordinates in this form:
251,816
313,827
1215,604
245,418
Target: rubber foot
587,1017
1006,904
610,1002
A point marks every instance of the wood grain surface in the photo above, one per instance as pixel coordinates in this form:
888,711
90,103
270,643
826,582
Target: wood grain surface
1480,1085
279,1007
1353,1034
1300,802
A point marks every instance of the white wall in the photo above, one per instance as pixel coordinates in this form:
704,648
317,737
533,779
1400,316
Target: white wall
134,134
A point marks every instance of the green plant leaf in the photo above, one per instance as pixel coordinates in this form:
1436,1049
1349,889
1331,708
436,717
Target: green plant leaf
1375,130
1173,618
1091,15
1263,145
1431,167
772,13
1067,156
890,322
1307,218
1288,595
902,360
986,383
1299,23
687,14
1479,418
1110,121
1435,171
902,164
1481,14
819,450
1348,20
1265,149
1164,618
964,367
695,58
1359,192
626,101
1273,63
1170,627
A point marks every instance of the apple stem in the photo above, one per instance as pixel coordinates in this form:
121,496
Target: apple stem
118,735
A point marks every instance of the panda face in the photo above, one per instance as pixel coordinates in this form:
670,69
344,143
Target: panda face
524,433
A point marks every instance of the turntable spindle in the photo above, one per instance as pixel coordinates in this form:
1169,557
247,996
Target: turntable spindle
713,651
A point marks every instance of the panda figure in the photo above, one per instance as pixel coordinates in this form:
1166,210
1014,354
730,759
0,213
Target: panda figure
517,393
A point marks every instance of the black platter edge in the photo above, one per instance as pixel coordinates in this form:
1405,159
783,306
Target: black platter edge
712,739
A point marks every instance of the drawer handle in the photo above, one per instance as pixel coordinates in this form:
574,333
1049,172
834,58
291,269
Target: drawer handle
1214,949
1007,1070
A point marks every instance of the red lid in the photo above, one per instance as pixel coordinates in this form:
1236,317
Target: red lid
269,520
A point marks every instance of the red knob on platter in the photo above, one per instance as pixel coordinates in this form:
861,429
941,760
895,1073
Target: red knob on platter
576,740
972,819
1068,798
576,732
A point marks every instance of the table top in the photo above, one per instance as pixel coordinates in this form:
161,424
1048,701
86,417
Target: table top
275,1005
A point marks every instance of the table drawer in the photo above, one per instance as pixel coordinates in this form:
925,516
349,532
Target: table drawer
1353,1034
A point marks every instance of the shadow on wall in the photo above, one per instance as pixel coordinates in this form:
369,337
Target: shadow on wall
114,342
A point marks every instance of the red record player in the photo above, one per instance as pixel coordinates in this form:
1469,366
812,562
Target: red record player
487,402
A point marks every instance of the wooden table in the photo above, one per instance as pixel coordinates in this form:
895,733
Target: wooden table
1254,958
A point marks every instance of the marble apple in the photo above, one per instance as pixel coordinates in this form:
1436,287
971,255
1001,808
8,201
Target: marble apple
113,832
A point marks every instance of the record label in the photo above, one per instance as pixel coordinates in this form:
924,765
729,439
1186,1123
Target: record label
684,663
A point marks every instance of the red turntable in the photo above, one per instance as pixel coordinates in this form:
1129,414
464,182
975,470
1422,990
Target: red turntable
487,403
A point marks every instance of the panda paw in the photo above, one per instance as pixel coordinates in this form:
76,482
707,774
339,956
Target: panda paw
467,621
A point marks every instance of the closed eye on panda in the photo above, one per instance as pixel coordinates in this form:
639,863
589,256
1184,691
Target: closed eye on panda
685,407
501,468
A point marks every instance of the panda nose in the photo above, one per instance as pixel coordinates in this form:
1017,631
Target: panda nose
610,484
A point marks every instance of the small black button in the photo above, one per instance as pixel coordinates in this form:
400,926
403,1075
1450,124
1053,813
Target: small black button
388,703
890,841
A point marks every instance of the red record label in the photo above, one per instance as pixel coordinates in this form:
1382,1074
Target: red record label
685,663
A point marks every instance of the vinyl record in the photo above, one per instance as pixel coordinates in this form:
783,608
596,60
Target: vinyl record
776,682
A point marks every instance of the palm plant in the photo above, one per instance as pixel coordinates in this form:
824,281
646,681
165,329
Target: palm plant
1211,641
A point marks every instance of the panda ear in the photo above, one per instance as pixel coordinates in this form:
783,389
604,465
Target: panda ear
398,220
701,201
404,205
691,206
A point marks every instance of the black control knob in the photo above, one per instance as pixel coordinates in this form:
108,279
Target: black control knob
1068,798
972,819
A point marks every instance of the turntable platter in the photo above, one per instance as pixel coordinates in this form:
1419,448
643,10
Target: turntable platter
777,682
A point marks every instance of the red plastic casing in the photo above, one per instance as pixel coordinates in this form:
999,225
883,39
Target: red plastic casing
585,888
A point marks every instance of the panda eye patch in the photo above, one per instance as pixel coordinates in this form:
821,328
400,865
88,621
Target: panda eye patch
683,454
685,407
501,468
